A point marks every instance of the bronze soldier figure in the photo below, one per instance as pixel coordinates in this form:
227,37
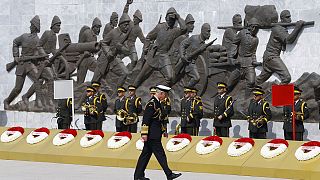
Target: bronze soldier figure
187,47
64,113
259,114
46,46
119,109
174,50
26,61
247,43
151,133
279,38
91,108
88,60
229,37
104,103
223,111
134,108
111,25
301,114
112,46
158,59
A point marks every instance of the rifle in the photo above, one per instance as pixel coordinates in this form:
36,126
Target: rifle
180,64
232,27
160,19
13,64
307,23
44,65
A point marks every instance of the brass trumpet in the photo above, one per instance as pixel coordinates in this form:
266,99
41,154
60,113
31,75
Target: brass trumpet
122,114
257,122
130,119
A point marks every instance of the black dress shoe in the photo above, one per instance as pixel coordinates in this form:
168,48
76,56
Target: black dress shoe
174,176
143,178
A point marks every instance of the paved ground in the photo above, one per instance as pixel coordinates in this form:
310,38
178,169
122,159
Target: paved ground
23,170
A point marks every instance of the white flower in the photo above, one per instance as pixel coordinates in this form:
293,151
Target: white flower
35,137
62,138
89,140
176,144
206,147
271,150
304,153
139,144
9,136
116,142
238,148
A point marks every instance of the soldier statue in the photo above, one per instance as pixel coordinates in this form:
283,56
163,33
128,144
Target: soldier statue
119,108
247,43
134,33
157,58
47,45
230,35
223,111
104,103
112,46
187,47
64,113
174,51
91,109
301,114
88,60
151,133
259,114
133,107
111,25
26,61
279,38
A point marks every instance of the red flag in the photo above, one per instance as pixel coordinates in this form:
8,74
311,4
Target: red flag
282,95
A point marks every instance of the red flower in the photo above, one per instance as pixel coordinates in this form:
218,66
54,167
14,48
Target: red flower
245,140
16,128
43,129
279,141
213,138
96,132
124,133
70,131
311,143
187,136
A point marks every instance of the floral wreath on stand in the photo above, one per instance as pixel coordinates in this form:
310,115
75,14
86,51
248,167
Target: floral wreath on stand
178,142
64,137
240,146
274,148
91,138
308,150
38,135
11,134
119,139
208,145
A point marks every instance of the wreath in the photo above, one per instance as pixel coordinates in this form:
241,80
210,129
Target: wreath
12,134
308,150
64,137
208,145
38,135
178,142
91,138
274,148
119,139
240,146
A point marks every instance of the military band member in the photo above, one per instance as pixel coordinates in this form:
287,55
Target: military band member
64,113
134,108
259,114
104,103
91,108
151,133
223,111
118,107
196,110
301,114
166,110
184,107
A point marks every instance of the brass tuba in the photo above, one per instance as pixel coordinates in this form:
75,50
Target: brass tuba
131,119
122,114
